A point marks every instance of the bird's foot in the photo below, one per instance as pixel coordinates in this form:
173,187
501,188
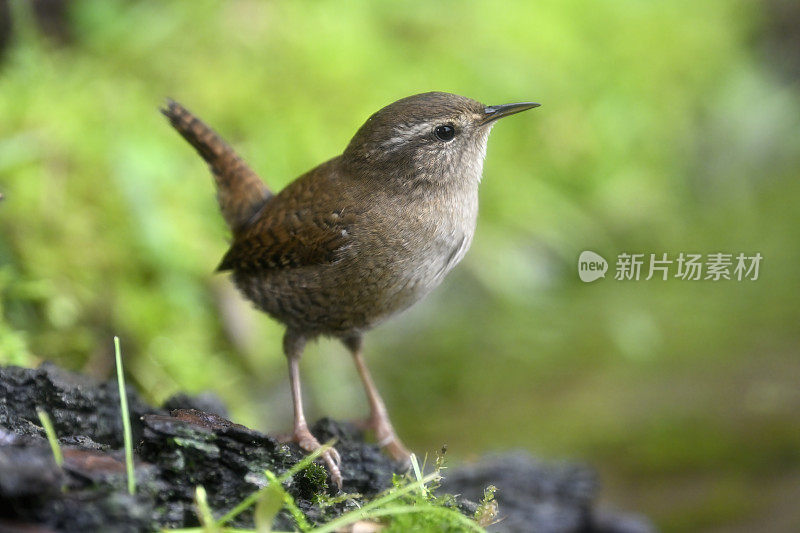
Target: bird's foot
303,437
386,437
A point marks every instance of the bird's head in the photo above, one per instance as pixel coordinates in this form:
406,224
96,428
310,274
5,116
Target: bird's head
432,137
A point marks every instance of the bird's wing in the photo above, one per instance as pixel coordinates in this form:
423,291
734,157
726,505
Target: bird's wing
310,225
295,240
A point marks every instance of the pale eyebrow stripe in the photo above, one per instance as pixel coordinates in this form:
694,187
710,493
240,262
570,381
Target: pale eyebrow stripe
404,132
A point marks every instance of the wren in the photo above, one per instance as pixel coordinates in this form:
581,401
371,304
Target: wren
359,238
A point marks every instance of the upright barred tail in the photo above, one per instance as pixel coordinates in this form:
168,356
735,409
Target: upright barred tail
240,191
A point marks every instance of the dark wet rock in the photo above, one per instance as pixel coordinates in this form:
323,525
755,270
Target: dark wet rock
611,521
181,447
192,448
176,451
87,494
77,405
538,496
27,471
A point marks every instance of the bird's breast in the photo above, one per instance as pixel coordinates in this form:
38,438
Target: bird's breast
422,242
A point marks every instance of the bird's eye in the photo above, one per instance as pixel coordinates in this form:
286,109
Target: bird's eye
445,133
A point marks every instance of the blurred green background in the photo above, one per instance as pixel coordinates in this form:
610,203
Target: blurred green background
665,127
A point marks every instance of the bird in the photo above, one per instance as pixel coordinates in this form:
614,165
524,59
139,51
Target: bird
357,239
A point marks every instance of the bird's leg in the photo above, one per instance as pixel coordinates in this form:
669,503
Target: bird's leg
379,418
293,347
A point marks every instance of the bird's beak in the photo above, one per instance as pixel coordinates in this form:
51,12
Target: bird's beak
494,112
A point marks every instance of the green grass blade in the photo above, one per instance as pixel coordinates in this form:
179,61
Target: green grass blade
267,507
242,506
223,530
396,510
126,420
396,493
423,490
50,431
289,503
204,511
360,514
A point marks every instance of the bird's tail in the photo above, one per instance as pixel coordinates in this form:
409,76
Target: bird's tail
240,191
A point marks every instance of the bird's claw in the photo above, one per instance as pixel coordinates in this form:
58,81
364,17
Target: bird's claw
386,438
333,467
309,443
335,456
398,452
